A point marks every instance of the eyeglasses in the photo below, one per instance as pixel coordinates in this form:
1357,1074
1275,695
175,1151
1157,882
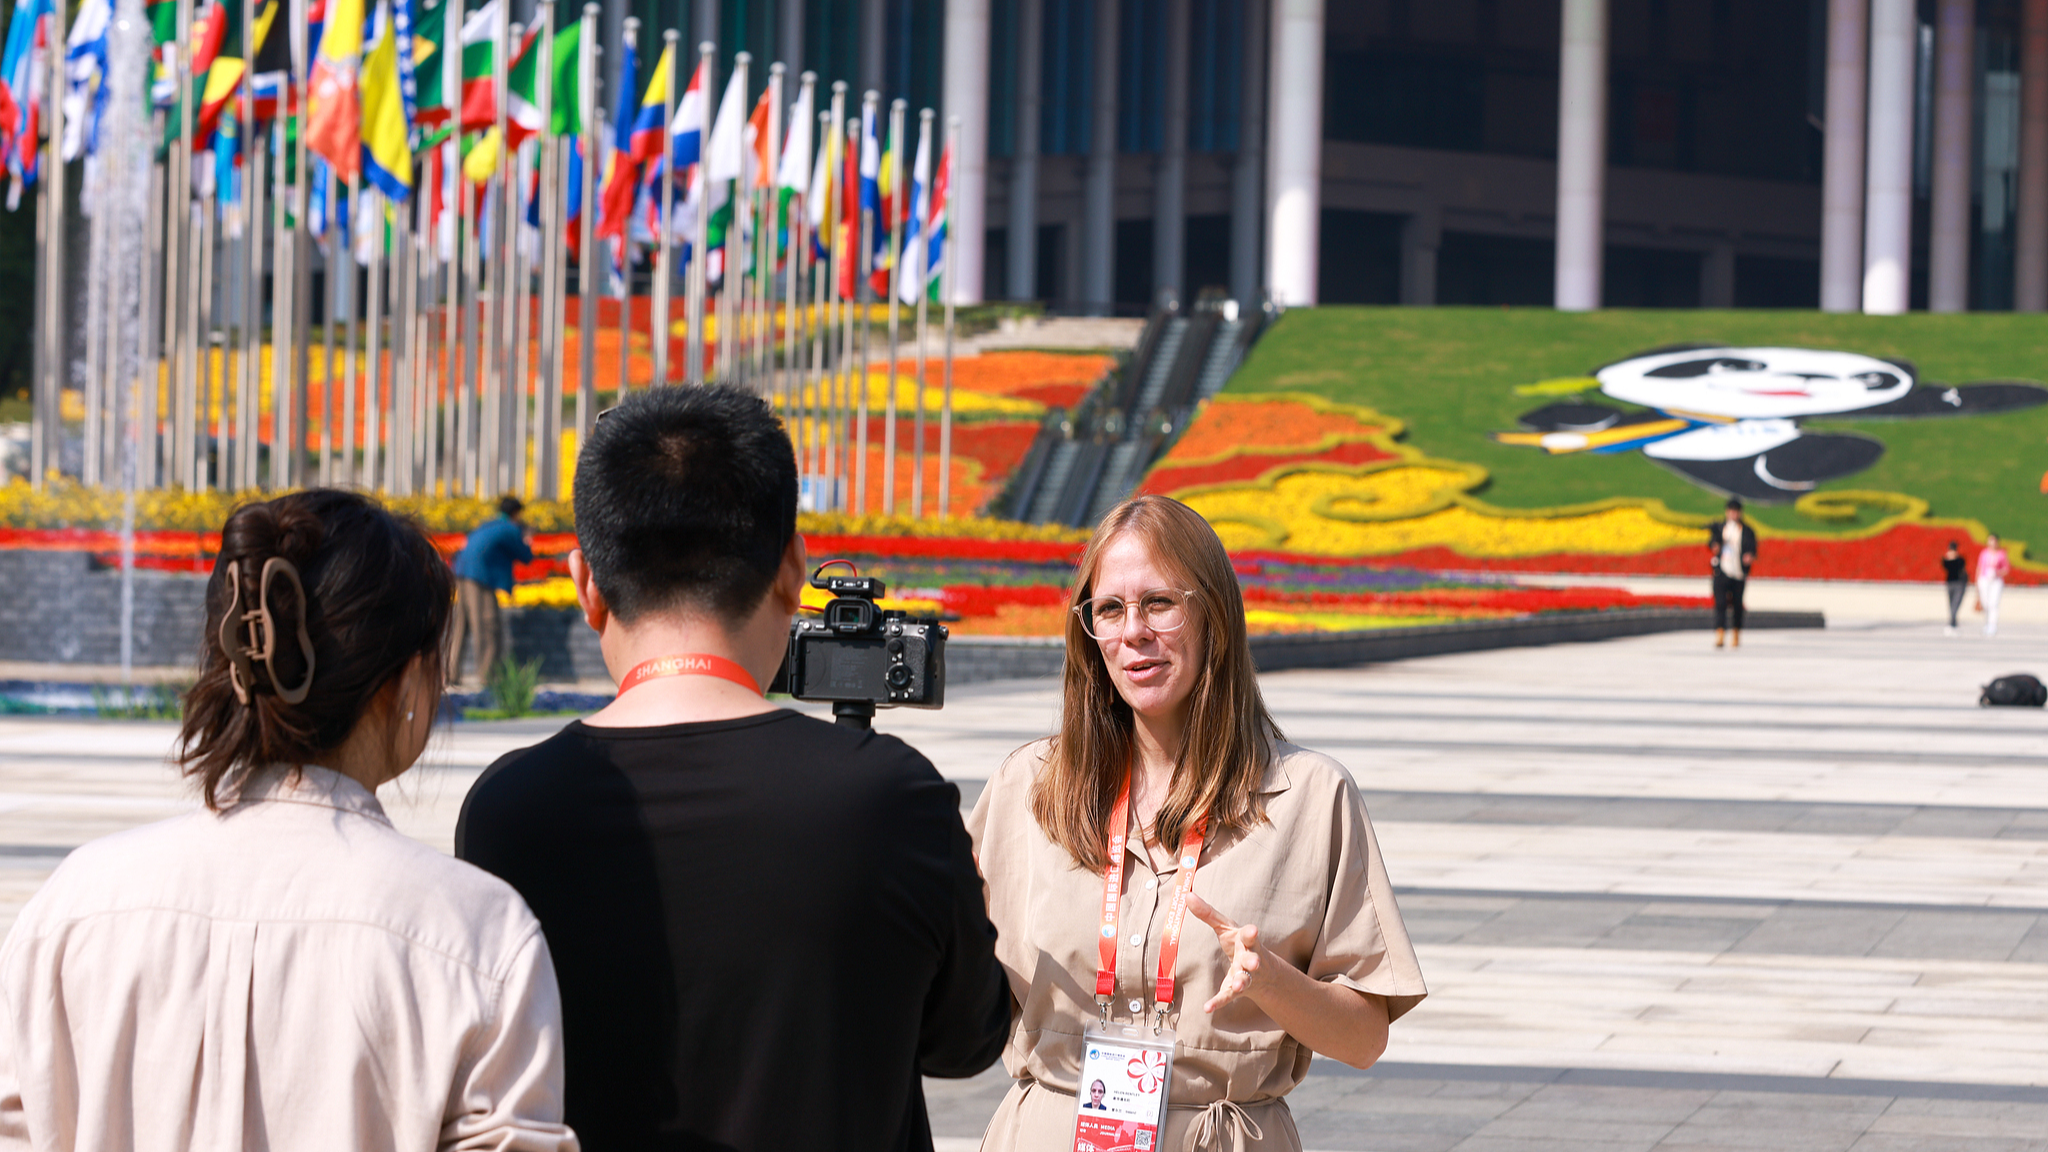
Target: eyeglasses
1161,609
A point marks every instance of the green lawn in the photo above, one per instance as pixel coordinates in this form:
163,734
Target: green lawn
1450,373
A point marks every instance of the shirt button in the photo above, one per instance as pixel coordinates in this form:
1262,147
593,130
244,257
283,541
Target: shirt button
1152,883
1137,938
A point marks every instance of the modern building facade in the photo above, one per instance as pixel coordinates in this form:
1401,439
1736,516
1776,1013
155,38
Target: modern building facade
1851,154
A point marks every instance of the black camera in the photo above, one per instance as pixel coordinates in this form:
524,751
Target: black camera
859,656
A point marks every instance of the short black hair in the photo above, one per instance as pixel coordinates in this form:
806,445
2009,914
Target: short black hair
509,506
1734,504
686,499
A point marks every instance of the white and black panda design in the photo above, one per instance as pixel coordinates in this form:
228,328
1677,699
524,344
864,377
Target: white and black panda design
1728,418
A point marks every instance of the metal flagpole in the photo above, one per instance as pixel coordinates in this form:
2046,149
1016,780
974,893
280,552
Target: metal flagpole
349,465
283,329
768,232
50,207
819,322
96,326
849,268
863,294
698,284
835,308
297,463
898,191
587,291
658,310
496,329
147,401
951,294
731,336
922,274
373,340
256,201
330,408
631,32
548,401
185,369
401,452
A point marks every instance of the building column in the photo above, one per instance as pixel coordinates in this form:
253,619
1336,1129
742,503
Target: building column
1581,155
789,37
1888,188
1955,81
1098,187
1169,181
874,46
1421,235
1023,224
2030,226
1841,213
1247,183
967,98
1294,123
1717,276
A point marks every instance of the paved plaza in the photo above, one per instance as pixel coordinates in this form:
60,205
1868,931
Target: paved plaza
1792,896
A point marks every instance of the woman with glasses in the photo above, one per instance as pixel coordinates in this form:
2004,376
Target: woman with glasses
1168,794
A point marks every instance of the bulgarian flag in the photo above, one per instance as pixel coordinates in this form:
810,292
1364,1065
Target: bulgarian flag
334,122
478,39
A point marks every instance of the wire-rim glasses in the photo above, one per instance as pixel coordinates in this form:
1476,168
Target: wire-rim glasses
1161,610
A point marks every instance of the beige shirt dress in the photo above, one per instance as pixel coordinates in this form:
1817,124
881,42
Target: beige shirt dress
1311,878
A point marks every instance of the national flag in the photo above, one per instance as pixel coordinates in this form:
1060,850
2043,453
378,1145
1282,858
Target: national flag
522,79
796,146
333,123
622,175
818,200
722,156
429,41
223,80
163,21
644,141
847,238
270,65
565,112
935,226
870,164
890,199
85,78
574,201
911,284
386,129
687,133
212,21
762,166
479,59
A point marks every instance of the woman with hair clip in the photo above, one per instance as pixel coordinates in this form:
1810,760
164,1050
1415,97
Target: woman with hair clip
280,968
1168,795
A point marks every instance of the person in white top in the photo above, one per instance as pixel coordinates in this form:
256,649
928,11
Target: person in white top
1993,564
281,968
1731,550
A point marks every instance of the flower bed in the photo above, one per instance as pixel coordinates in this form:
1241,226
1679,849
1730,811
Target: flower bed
1298,475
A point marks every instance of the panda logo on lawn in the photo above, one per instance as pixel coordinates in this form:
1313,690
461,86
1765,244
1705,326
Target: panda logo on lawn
1727,419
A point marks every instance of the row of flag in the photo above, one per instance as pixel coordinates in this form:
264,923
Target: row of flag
377,108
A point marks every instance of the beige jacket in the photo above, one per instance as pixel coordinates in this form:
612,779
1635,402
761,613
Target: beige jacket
1311,878
290,974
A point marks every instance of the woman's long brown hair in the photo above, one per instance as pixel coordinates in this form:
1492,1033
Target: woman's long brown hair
1230,735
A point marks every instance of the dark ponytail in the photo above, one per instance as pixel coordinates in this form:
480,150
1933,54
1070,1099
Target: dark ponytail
375,595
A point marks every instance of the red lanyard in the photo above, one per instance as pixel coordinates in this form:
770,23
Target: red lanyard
688,664
1112,901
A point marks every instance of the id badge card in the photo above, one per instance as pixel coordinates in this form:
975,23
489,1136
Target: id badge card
1121,1102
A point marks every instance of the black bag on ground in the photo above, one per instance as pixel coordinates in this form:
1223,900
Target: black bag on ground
2018,690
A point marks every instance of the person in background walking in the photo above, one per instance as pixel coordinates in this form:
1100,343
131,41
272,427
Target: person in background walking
1955,573
1731,550
482,570
1992,565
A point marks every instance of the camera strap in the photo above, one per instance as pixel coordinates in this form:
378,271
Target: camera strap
1112,901
689,664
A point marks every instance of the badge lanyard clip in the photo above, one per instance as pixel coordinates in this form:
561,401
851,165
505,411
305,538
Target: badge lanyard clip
1112,901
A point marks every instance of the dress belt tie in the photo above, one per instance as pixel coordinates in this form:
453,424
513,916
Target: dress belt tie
1207,1128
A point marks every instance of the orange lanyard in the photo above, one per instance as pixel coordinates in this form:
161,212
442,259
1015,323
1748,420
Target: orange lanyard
1112,903
689,664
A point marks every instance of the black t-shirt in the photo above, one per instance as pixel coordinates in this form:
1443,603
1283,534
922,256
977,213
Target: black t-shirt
764,929
1952,569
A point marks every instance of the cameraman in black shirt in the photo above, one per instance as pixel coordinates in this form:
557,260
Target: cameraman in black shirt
764,926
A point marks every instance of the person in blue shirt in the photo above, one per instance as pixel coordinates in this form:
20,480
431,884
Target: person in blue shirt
482,570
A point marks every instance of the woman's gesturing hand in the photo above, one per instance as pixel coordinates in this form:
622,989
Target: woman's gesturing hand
1240,944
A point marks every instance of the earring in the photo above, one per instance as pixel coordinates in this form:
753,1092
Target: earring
408,715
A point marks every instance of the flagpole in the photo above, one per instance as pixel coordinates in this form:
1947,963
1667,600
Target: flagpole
898,191
520,329
658,310
296,462
330,307
768,235
835,251
819,266
699,280
148,380
924,247
350,465
256,201
373,339
46,432
731,336
792,290
587,292
951,294
283,333
548,405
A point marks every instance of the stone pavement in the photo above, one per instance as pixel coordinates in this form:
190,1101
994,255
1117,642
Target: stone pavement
1792,896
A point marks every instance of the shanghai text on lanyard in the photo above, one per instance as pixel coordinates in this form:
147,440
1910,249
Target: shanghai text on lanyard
1112,903
689,664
